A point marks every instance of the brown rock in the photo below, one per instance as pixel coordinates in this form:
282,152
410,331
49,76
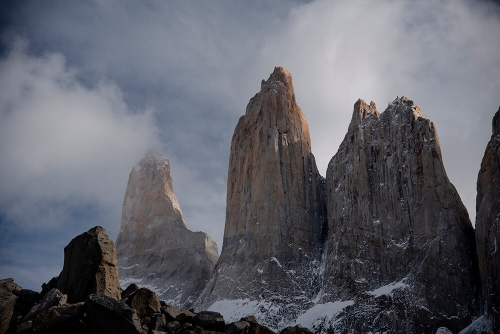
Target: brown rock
239,327
488,224
7,302
275,216
52,298
129,290
154,244
173,313
397,223
211,321
296,330
90,267
145,302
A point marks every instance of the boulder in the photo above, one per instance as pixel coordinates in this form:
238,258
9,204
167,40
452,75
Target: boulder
129,290
154,244
52,298
90,267
211,321
173,313
145,302
488,224
298,329
111,316
59,319
7,302
239,327
46,287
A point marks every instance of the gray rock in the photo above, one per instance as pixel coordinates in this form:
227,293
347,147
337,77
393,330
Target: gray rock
110,316
145,302
46,287
276,214
7,302
129,290
59,319
488,225
211,321
173,313
400,243
90,267
154,244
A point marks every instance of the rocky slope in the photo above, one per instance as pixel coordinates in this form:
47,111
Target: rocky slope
401,247
154,246
488,224
275,215
135,311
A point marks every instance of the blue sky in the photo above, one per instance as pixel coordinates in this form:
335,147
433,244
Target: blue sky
89,86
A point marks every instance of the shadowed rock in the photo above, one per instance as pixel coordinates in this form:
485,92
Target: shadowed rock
90,267
488,224
144,301
400,244
7,302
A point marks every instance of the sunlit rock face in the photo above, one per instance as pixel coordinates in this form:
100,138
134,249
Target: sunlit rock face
488,225
400,243
275,216
154,246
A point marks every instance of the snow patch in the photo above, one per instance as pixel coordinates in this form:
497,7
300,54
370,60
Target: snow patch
322,313
388,289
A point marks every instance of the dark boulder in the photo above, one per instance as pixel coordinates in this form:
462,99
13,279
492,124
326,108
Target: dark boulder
129,290
110,316
212,321
7,302
240,327
90,267
296,330
145,302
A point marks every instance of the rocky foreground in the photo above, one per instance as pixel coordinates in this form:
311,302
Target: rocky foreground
87,298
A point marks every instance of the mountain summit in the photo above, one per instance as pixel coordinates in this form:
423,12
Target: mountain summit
275,215
154,246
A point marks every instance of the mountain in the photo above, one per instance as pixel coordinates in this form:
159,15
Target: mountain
270,264
154,246
401,246
488,224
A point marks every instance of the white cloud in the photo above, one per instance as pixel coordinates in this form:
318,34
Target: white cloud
63,145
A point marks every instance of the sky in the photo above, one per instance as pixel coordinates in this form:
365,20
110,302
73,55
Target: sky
87,87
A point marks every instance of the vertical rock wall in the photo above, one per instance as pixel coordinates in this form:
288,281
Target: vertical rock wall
396,223
275,226
488,224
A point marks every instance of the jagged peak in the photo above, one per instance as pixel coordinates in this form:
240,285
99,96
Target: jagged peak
280,74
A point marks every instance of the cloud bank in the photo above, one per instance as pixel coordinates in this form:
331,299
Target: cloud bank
87,87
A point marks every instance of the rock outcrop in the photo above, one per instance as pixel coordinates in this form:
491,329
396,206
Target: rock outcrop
7,302
401,246
275,215
488,225
90,266
154,245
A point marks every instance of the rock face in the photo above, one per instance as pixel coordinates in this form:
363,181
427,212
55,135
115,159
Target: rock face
7,302
401,246
488,224
90,266
154,245
275,215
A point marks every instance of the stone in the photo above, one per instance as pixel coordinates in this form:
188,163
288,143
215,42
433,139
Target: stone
401,246
145,302
239,327
212,321
173,326
110,316
46,287
488,225
173,313
129,290
7,302
298,329
26,299
59,319
276,213
52,298
154,244
90,267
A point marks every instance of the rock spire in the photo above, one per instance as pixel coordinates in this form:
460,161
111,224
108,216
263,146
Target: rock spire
488,224
275,216
397,227
154,245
